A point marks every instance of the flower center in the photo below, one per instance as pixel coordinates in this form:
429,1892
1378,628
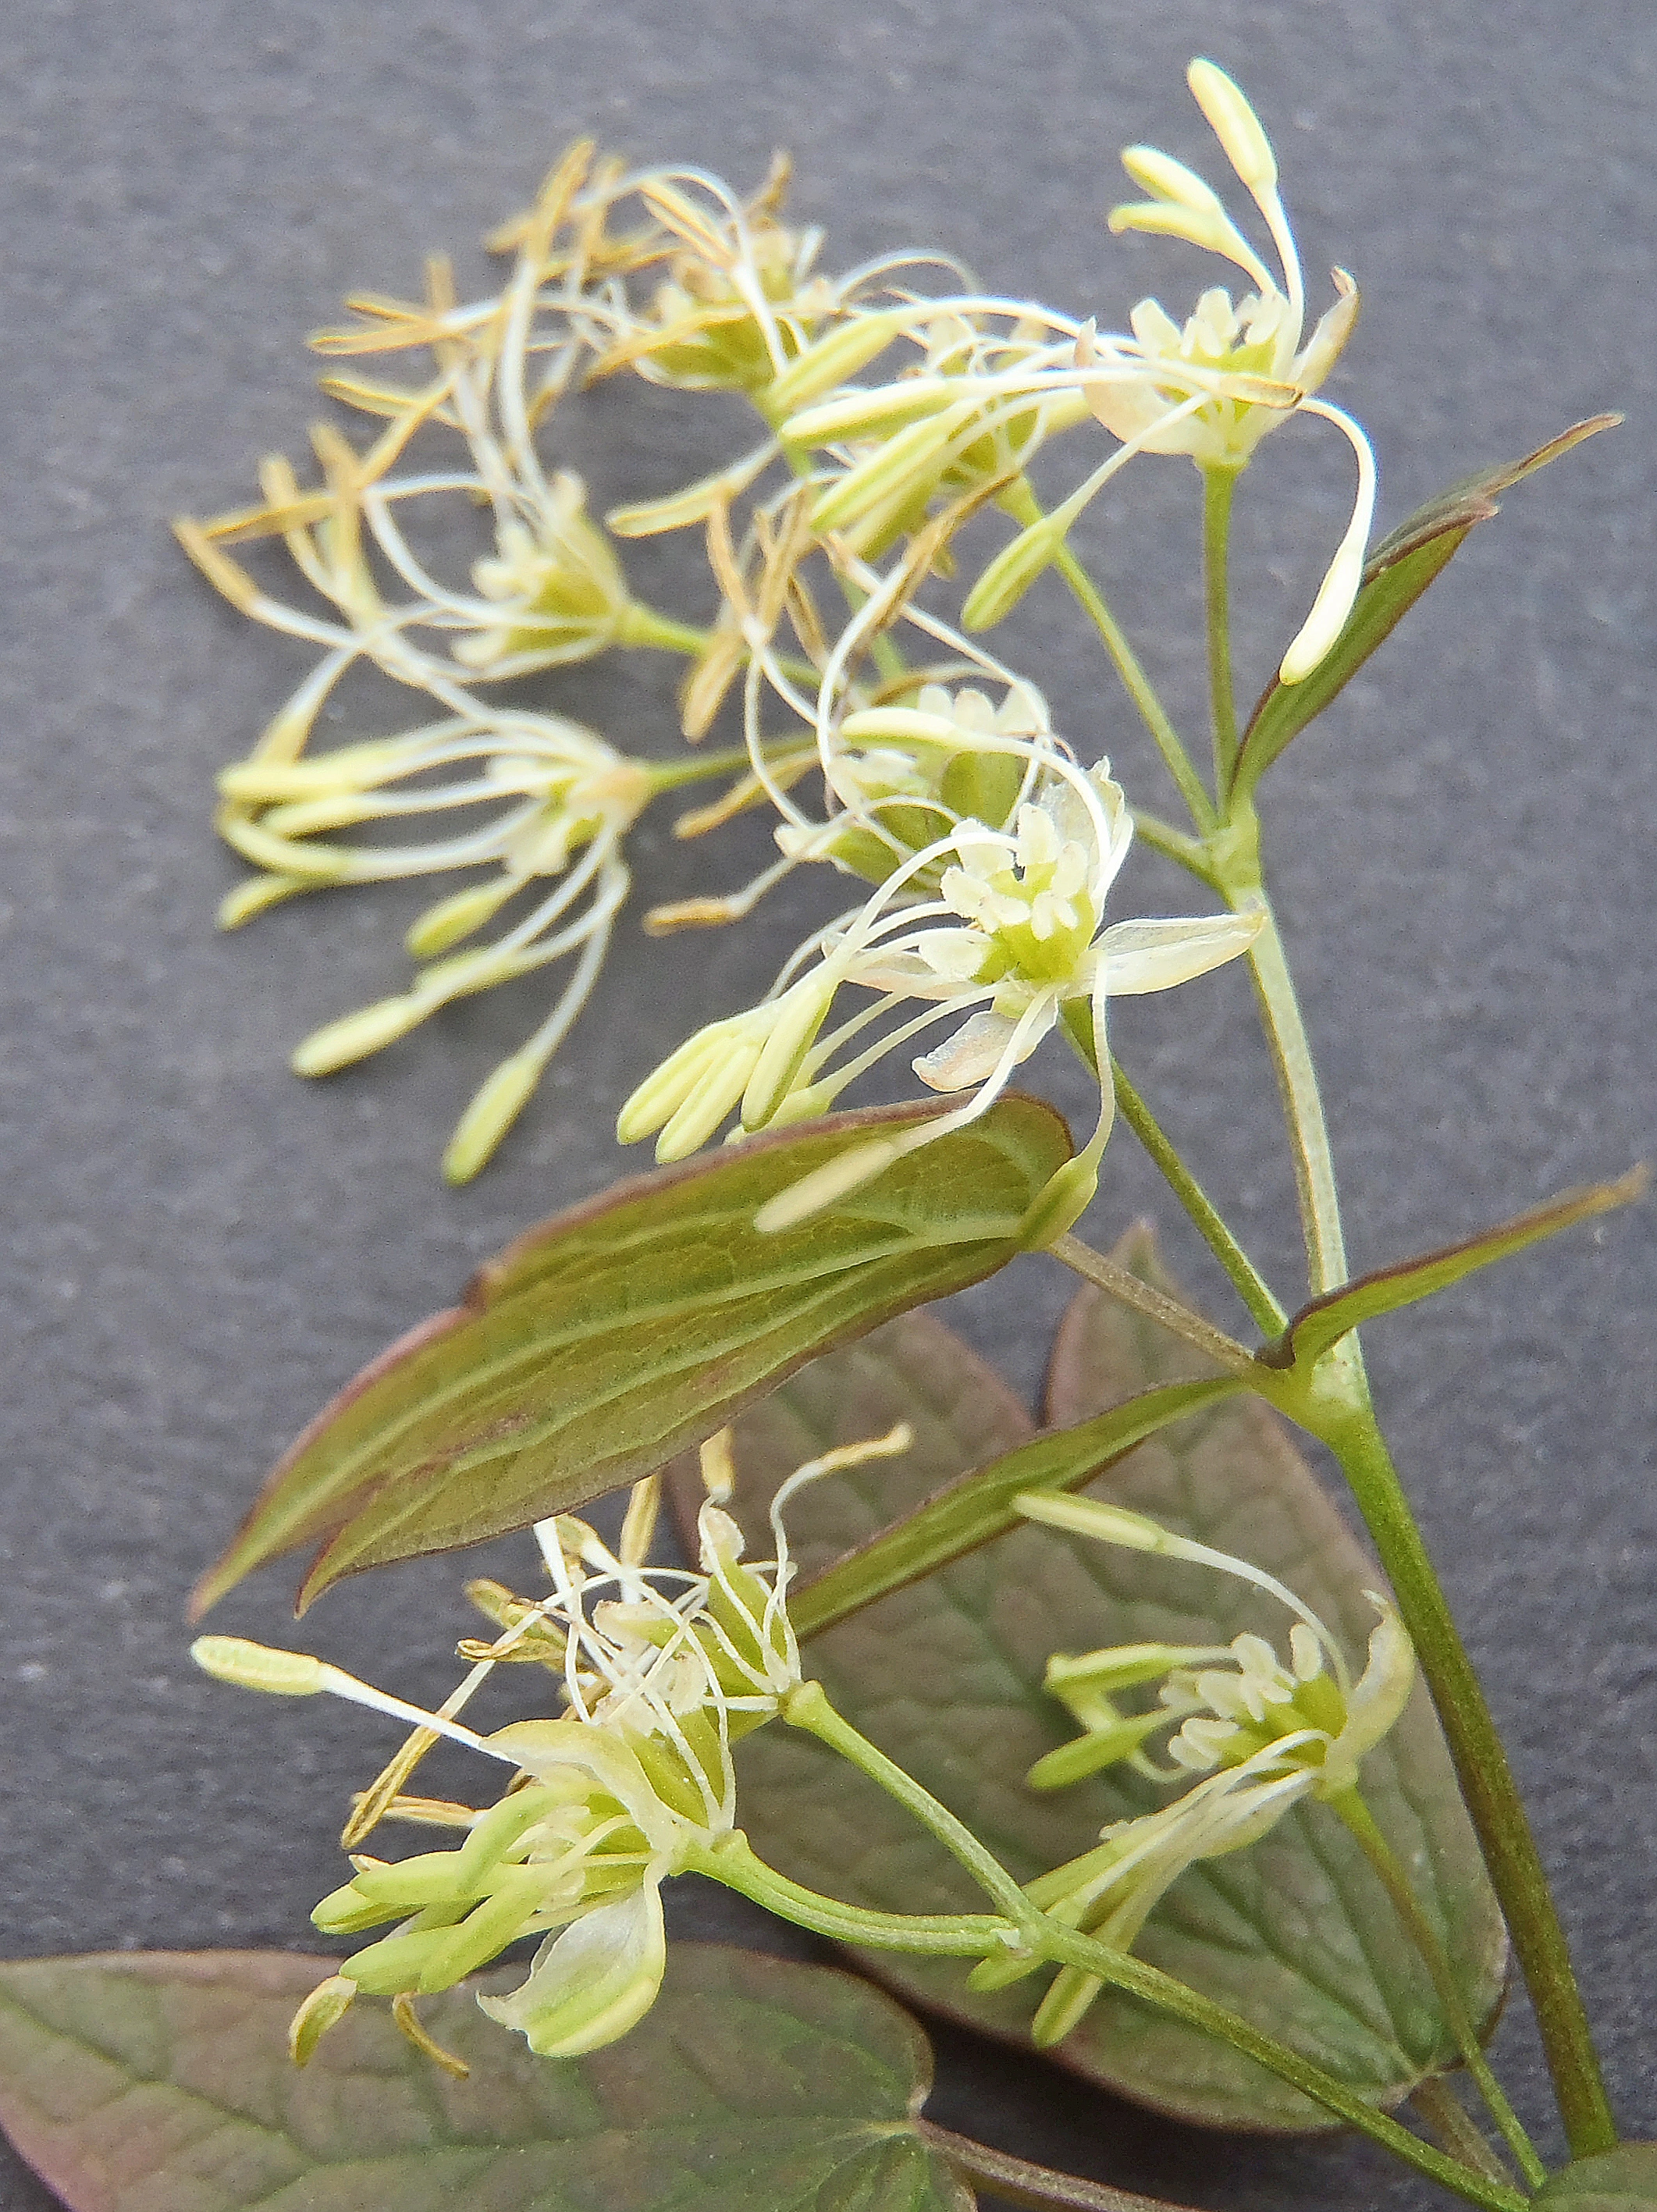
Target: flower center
1035,907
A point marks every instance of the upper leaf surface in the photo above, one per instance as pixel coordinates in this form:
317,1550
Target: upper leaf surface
1399,570
945,1675
611,1337
160,2082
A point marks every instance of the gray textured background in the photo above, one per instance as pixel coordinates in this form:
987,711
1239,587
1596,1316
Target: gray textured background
200,1248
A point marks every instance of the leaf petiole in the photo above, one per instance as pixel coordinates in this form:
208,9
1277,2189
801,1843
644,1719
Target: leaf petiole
1018,2181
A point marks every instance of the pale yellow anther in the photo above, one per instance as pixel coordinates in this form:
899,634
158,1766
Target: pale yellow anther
1160,174
354,1036
1235,124
719,1465
494,1106
260,1666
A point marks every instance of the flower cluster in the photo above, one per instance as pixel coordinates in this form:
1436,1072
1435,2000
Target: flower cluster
1264,1734
662,1671
1210,387
988,846
994,926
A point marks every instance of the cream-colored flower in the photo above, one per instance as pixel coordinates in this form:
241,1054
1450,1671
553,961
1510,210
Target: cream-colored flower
551,806
557,588
662,1670
1013,935
1265,1733
908,776
1210,387
1213,387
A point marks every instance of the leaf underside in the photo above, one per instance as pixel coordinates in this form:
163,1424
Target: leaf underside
945,1676
613,1336
160,2082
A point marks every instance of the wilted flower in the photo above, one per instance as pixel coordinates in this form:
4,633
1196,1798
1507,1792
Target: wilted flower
742,305
559,802
1276,1733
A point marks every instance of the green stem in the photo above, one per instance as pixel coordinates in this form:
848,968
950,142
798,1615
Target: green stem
1250,1286
1486,1778
1436,2102
1291,1055
1163,837
1335,1405
1021,502
643,625
1121,1969
1225,1351
1218,485
731,1860
734,760
1018,2182
808,1708
1350,1808
649,626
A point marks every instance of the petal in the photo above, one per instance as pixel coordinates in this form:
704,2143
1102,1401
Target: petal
1128,408
1137,956
1382,1691
956,952
969,1057
1323,347
593,1982
549,1749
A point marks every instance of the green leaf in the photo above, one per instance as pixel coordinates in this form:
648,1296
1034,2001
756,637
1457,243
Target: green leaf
945,1676
1399,570
1620,2180
160,2082
603,1342
1325,1320
978,1506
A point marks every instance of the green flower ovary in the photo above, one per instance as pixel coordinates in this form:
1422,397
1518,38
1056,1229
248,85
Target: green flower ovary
1036,912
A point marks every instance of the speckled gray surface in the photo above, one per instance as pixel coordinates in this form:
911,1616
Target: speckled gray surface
199,1247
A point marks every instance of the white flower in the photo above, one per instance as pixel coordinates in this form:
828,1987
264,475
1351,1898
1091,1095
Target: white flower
908,775
1263,1733
604,1805
1013,936
1210,387
1215,386
662,1670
